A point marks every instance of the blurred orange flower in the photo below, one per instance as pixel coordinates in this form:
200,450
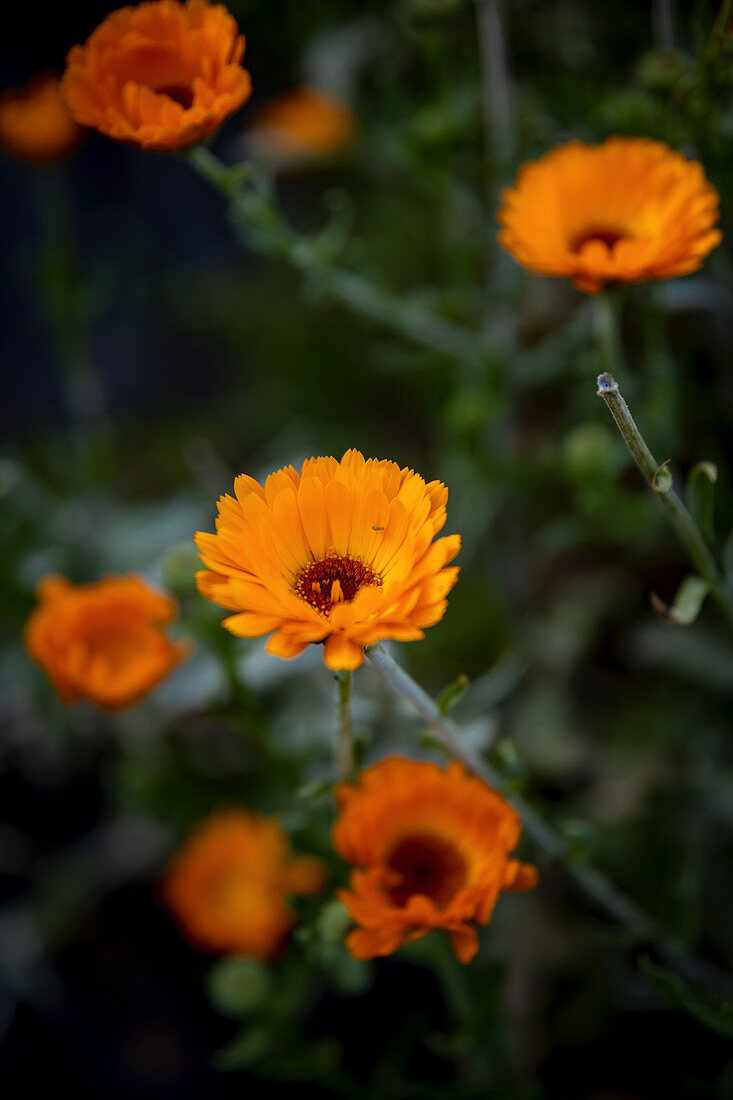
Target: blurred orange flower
35,124
625,211
228,884
341,553
162,75
104,641
431,849
300,124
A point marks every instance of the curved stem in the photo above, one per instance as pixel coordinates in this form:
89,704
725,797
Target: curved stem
345,743
271,235
594,884
683,522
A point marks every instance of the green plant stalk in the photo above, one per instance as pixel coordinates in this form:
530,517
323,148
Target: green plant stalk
592,882
345,733
271,235
683,522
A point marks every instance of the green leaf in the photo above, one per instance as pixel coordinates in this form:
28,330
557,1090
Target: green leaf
711,1011
701,492
687,603
662,480
238,986
450,695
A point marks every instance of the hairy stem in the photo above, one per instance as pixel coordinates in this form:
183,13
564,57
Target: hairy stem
345,735
683,522
592,882
269,233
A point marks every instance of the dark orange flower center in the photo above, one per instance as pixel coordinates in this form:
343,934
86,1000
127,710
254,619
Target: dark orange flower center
428,865
179,93
604,234
336,578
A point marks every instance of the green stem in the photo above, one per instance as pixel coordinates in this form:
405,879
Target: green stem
271,235
606,325
345,742
683,522
593,883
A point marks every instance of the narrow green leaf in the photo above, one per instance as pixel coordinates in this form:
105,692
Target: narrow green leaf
711,1011
687,603
450,695
701,494
662,481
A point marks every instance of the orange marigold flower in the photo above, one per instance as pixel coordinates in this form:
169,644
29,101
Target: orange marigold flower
302,123
35,124
163,75
625,211
228,884
104,641
431,849
341,552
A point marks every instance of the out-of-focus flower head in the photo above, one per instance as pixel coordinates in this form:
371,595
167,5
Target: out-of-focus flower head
341,553
228,885
104,641
302,124
625,211
431,851
163,75
35,124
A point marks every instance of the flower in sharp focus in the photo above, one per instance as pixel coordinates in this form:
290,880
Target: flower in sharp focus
625,211
35,124
431,849
163,75
228,885
302,124
104,641
341,553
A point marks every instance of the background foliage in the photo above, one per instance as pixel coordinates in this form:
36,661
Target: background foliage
212,360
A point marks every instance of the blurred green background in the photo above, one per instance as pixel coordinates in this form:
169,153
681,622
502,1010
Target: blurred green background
148,358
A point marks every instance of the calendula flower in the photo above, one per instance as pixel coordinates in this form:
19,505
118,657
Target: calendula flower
625,211
35,124
301,124
431,849
162,75
228,885
103,642
341,553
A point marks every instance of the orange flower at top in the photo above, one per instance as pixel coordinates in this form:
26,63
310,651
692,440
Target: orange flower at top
35,124
228,884
341,553
628,210
162,75
301,124
103,642
431,848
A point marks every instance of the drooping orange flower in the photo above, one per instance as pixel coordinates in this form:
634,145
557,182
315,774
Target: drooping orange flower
625,211
228,884
341,553
301,124
163,75
103,641
431,849
35,124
